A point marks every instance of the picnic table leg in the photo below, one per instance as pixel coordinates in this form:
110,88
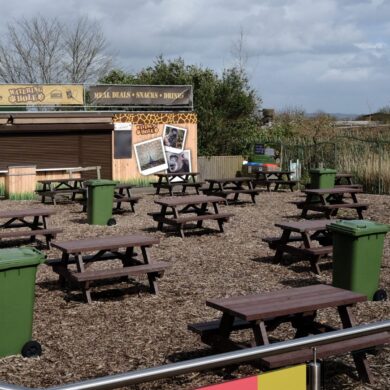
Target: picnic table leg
302,323
260,333
280,248
180,226
162,214
85,286
361,363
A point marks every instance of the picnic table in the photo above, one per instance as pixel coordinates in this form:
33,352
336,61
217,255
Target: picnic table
304,233
183,179
231,186
345,180
34,219
179,211
330,200
75,265
52,188
298,306
122,194
278,178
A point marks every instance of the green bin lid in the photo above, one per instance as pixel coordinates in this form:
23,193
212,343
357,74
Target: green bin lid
323,170
20,257
100,182
358,227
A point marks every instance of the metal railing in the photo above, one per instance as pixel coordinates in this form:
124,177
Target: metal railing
209,362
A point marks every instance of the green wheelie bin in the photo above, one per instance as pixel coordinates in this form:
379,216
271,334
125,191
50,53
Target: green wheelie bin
18,268
100,195
357,256
322,178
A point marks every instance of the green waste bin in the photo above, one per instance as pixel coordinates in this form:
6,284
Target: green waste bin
357,256
100,194
18,267
322,178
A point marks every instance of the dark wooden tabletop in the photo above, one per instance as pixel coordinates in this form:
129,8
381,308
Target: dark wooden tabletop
123,185
173,201
336,190
33,212
67,180
304,225
107,242
230,180
285,302
275,172
174,174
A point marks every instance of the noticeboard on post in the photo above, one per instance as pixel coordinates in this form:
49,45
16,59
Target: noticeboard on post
41,94
140,95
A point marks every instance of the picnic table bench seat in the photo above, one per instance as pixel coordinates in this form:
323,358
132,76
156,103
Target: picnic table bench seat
332,208
226,192
359,344
60,192
49,234
125,199
277,182
152,269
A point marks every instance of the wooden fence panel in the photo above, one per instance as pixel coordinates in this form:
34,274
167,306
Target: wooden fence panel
219,166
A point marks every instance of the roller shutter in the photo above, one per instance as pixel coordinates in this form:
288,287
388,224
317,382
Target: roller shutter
57,149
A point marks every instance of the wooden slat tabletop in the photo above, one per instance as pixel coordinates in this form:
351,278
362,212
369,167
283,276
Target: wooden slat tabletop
230,180
48,181
285,302
188,200
107,242
26,213
123,185
336,190
174,174
304,226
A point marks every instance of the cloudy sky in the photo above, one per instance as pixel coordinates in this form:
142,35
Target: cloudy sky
328,55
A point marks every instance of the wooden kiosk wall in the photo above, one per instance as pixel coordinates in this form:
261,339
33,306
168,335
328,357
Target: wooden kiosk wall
149,125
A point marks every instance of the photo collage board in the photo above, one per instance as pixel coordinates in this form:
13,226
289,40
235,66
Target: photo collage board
166,153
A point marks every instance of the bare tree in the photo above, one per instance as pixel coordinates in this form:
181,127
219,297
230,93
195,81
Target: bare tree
239,53
41,50
84,45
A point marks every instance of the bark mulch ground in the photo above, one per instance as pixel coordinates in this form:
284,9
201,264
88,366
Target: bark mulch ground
126,328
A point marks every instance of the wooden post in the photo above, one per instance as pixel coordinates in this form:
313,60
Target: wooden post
20,182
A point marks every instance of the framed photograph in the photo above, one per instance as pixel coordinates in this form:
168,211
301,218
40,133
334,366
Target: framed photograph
151,156
179,163
174,138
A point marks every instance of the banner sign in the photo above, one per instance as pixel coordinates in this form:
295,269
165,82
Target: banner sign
292,378
41,94
140,95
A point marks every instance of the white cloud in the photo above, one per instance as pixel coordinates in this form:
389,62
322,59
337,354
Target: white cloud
317,53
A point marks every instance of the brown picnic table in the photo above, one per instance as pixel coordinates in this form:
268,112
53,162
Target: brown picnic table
330,200
345,180
183,179
278,178
231,186
303,233
75,266
53,188
179,211
264,312
28,223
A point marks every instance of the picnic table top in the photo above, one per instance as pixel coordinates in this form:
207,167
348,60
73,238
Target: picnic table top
274,172
175,174
65,180
286,302
33,212
336,190
106,242
230,180
304,226
187,200
123,185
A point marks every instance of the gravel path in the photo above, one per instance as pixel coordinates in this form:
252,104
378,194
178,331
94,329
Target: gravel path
127,328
